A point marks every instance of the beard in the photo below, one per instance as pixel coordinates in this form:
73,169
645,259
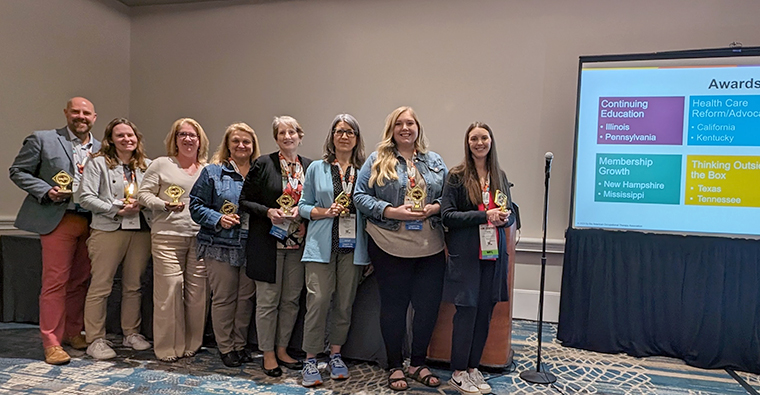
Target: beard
80,126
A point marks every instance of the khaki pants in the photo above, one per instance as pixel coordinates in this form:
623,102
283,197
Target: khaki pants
180,294
337,281
108,250
277,304
231,304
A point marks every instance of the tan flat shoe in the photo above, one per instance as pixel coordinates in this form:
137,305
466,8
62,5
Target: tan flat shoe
77,342
55,355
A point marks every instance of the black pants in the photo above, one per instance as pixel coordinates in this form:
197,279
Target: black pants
471,323
401,280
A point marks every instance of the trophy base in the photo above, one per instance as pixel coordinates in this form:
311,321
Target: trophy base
174,204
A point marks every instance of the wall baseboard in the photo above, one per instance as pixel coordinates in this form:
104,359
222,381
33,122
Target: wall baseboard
534,244
7,228
525,305
6,222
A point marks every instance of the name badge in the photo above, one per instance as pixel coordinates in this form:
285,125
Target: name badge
131,222
347,231
280,231
489,248
413,225
244,219
75,187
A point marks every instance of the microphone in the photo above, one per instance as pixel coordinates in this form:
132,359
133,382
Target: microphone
549,156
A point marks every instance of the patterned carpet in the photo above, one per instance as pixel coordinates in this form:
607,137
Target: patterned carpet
22,371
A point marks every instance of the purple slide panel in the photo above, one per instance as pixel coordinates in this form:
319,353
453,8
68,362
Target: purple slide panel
641,120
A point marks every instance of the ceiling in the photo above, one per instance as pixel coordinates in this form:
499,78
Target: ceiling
140,3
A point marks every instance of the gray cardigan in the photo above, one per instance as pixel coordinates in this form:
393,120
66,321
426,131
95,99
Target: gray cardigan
101,190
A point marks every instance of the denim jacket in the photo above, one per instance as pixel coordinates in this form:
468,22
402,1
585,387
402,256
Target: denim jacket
373,201
215,184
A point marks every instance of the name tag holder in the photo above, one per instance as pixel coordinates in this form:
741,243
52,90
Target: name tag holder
413,225
131,222
280,231
244,221
489,246
347,231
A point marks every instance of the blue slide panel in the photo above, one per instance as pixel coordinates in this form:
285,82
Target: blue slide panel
725,120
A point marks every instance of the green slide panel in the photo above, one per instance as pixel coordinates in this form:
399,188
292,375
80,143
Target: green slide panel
638,178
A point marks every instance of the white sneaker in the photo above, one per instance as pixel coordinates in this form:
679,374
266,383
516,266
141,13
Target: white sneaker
136,341
101,349
461,382
477,378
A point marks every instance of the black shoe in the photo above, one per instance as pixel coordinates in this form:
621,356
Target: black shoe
297,365
276,372
230,359
244,356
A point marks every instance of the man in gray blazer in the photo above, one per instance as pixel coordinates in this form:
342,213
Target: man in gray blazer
49,210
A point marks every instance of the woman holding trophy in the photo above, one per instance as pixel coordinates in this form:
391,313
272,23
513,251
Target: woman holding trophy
399,190
476,208
270,195
180,289
221,240
120,234
332,270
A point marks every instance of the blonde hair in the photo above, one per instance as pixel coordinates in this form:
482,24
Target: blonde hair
222,153
171,139
286,120
384,168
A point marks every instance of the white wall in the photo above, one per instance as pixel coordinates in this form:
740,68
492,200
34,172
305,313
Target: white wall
53,50
512,64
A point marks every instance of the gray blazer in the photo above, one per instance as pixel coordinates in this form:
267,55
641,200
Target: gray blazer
43,154
101,192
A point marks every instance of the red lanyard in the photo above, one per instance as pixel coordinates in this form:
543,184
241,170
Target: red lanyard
411,170
486,189
291,178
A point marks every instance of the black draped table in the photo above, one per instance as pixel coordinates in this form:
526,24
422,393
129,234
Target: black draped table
690,297
21,270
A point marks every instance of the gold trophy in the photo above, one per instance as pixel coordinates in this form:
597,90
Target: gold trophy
63,180
286,203
228,208
501,200
344,201
174,192
129,191
417,196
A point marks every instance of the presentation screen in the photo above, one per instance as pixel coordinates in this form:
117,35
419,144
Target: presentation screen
669,144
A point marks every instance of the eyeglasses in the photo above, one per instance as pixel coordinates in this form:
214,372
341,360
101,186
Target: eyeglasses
187,135
347,132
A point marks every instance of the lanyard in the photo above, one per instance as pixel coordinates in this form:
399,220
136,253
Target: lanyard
292,174
131,173
348,187
411,170
235,167
80,158
486,190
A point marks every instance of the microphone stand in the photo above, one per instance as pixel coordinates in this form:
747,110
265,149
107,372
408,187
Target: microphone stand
537,376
